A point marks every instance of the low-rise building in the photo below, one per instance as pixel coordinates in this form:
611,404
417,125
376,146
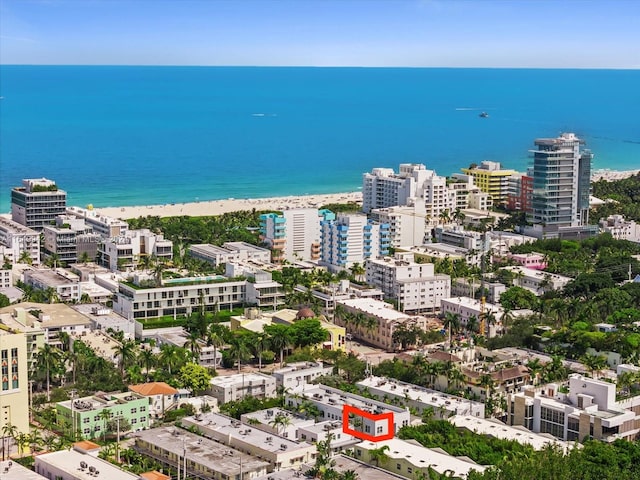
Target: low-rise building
295,374
66,285
337,333
621,229
230,252
411,460
536,261
589,410
70,240
14,471
279,451
466,307
19,243
236,387
107,227
161,396
130,248
204,458
86,415
381,321
537,281
330,402
421,399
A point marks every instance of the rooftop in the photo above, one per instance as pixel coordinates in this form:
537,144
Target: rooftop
153,388
54,315
377,308
100,401
229,380
14,471
82,466
201,450
332,396
15,227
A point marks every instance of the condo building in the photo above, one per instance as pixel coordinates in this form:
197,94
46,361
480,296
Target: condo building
621,229
350,239
492,179
232,388
106,227
294,234
561,183
130,248
18,243
230,252
415,286
37,203
408,225
14,380
70,240
295,374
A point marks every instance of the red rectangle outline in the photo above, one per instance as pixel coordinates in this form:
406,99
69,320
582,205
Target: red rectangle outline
348,409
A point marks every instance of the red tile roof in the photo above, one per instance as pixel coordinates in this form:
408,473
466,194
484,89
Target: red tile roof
153,388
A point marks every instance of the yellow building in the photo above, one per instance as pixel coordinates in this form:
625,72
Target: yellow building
14,381
490,178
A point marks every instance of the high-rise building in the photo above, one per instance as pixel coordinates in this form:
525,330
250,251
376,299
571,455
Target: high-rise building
351,239
492,179
561,183
37,203
294,234
14,383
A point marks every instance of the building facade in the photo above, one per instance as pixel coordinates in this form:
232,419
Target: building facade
106,227
232,388
14,380
295,374
70,240
19,243
129,249
37,203
492,179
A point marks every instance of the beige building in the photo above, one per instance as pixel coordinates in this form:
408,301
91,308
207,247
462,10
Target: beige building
14,380
161,396
19,319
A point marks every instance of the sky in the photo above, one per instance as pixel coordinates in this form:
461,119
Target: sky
368,33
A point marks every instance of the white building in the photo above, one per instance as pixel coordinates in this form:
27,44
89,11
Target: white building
107,227
37,202
589,410
261,290
162,396
14,471
537,281
65,284
330,402
415,286
236,387
70,239
294,375
382,321
457,235
621,229
350,239
295,233
411,460
127,250
420,398
15,239
467,307
408,225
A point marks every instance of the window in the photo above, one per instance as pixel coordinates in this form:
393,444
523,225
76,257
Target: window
134,410
134,420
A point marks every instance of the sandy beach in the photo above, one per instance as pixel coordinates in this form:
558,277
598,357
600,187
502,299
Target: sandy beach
218,207
612,175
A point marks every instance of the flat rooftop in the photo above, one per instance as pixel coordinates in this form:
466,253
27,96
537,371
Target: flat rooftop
12,470
238,246
208,249
69,461
100,401
237,378
57,277
16,228
533,273
423,395
266,416
332,396
298,367
230,428
59,314
376,307
472,303
201,450
101,315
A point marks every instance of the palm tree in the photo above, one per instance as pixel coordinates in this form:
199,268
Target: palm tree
105,415
595,363
451,323
487,382
379,455
35,440
50,357
358,271
281,420
215,338
239,350
535,367
9,432
172,357
148,359
193,343
280,338
259,342
126,352
25,257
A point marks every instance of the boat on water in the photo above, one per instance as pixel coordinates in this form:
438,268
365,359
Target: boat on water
484,115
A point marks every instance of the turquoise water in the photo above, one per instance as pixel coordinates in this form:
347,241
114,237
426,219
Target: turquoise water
115,136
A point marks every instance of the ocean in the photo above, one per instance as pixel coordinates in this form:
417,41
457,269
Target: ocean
114,136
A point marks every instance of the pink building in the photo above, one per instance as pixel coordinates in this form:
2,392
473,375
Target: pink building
529,260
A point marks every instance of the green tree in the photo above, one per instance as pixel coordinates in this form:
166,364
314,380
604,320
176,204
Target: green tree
4,300
51,359
126,352
279,338
194,377
307,331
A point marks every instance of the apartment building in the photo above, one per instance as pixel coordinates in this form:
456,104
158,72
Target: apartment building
106,227
14,379
203,457
264,420
350,239
533,260
295,374
280,452
411,460
235,387
537,281
492,179
467,307
85,415
66,285
589,410
127,250
18,319
415,286
459,237
70,239
37,203
620,229
237,252
294,234
160,395
260,288
421,399
408,225
18,241
381,320
520,193
330,402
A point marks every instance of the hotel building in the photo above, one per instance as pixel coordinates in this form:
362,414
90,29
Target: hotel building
37,203
415,286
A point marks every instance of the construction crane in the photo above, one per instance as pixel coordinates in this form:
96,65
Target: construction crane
483,322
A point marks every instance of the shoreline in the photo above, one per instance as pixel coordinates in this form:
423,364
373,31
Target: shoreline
218,207
612,175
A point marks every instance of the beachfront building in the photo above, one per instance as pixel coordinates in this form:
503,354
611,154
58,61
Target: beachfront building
63,283
79,463
203,457
232,388
129,249
415,286
295,374
589,410
37,203
411,460
86,415
18,243
537,281
620,229
330,402
14,380
561,183
407,224
230,252
350,239
294,234
421,399
106,227
378,321
492,179
279,451
70,240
